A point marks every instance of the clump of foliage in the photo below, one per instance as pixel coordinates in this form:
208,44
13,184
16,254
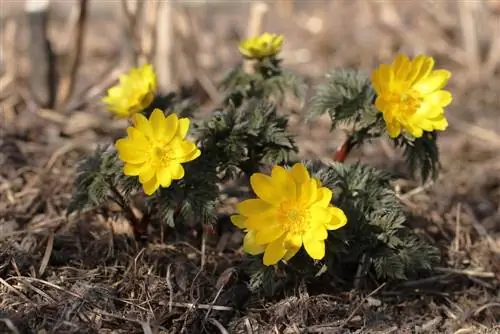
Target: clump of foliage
307,216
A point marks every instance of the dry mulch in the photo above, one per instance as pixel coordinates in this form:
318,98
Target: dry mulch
83,274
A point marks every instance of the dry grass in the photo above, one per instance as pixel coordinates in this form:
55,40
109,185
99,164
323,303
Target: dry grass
81,274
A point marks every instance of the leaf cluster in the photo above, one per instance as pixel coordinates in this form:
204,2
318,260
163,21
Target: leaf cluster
376,227
268,81
247,137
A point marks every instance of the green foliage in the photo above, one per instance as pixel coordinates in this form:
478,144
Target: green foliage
268,81
98,179
421,154
247,137
376,225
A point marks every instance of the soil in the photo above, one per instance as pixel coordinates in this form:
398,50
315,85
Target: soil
82,273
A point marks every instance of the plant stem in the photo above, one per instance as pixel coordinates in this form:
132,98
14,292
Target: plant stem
344,149
139,227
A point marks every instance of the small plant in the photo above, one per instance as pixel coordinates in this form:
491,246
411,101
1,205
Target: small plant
304,216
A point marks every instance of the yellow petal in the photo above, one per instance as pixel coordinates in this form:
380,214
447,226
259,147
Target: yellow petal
171,126
177,171
339,219
440,98
250,246
269,234
274,252
151,186
261,221
315,248
186,151
133,169
183,127
320,215
157,121
316,232
440,123
299,173
324,197
308,192
290,253
238,221
266,189
293,240
283,179
147,173
436,80
394,129
415,130
142,125
421,67
428,110
128,153
252,207
164,177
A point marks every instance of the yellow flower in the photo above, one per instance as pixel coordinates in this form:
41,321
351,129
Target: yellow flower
292,210
134,93
258,47
155,149
410,95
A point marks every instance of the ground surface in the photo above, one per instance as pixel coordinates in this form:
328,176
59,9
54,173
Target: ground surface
73,275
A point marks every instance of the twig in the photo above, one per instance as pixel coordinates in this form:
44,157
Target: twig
10,325
218,325
46,255
42,59
481,230
131,28
202,306
484,307
353,313
474,273
68,81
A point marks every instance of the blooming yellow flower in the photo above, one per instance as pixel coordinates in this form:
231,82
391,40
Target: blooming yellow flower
292,210
410,95
134,93
258,47
155,149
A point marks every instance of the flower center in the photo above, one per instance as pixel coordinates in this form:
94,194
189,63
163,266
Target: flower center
160,156
294,217
407,102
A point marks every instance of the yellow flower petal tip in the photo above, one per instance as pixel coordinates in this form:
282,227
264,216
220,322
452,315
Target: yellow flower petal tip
155,150
410,95
291,210
135,92
258,47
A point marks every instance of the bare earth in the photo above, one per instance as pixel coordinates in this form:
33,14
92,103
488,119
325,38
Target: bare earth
79,274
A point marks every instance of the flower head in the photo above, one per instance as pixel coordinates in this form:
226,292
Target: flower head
410,95
155,149
258,47
292,209
134,93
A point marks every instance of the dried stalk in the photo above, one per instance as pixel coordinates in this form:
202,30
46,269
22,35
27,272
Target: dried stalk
67,83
